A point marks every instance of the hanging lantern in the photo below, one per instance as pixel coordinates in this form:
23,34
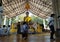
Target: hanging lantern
27,6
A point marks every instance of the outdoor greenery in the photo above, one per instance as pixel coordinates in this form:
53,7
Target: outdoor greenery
33,17
37,19
21,18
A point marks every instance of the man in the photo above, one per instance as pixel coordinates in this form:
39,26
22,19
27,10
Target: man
24,30
51,26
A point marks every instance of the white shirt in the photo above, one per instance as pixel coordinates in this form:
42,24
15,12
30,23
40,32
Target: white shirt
52,21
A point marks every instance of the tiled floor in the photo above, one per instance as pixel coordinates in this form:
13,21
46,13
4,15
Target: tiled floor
31,38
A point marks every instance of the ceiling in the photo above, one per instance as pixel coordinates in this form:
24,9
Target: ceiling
41,8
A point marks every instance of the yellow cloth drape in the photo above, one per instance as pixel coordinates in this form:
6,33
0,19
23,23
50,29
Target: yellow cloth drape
12,30
27,19
39,29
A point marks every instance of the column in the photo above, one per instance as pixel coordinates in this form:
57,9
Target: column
1,12
4,20
16,18
56,9
55,6
59,14
10,21
0,19
44,24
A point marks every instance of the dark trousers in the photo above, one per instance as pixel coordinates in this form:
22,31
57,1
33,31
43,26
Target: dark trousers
24,34
52,31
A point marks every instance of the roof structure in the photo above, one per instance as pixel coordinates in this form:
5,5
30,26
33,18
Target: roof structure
41,8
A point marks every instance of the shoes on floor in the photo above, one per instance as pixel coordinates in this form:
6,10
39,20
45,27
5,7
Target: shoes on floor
25,38
52,39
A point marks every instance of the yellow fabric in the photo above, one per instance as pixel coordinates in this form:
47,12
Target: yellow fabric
12,30
39,29
27,19
31,29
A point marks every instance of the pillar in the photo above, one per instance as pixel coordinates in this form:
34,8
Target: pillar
0,19
1,12
16,18
4,20
44,24
10,21
56,9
